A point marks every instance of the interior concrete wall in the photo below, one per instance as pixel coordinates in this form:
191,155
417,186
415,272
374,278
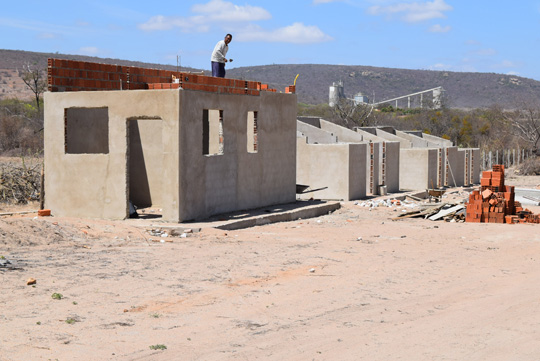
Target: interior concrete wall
391,155
440,142
418,168
96,185
237,179
315,135
357,170
343,134
382,133
460,168
471,165
313,121
417,142
392,166
369,137
451,173
338,167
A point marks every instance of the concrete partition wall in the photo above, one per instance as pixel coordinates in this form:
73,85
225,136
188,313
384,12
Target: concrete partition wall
417,142
392,166
418,168
336,167
440,142
382,133
385,155
313,121
343,134
471,165
451,172
193,153
315,135
96,182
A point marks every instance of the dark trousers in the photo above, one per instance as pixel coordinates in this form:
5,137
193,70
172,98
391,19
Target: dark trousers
218,69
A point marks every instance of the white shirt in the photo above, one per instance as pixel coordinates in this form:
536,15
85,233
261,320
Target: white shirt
220,51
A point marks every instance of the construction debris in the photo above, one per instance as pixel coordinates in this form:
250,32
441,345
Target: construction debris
450,212
19,183
495,201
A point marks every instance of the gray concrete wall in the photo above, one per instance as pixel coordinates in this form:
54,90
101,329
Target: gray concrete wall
313,121
417,142
471,165
418,168
451,173
237,179
374,172
460,168
315,135
339,167
155,151
390,155
392,166
343,134
382,133
96,185
440,142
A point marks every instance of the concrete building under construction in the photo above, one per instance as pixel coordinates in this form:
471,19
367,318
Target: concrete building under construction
195,148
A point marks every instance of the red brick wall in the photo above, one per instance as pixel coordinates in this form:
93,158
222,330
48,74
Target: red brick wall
72,75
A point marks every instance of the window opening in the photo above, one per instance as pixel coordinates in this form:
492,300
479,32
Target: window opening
252,141
213,142
86,130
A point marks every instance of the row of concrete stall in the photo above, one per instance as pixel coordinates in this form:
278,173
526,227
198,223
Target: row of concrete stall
340,163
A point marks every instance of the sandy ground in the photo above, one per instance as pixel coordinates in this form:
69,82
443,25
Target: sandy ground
351,285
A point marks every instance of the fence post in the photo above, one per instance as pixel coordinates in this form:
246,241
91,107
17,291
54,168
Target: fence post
490,159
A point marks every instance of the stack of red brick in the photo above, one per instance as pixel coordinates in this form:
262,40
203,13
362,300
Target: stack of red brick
494,202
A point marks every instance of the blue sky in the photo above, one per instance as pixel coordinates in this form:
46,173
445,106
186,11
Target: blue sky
462,35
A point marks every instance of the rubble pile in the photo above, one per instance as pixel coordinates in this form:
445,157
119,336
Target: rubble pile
19,183
495,201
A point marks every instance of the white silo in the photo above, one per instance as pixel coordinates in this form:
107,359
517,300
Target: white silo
336,93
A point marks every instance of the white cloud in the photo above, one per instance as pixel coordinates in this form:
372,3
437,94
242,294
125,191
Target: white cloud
47,36
160,22
507,64
219,10
486,52
413,12
439,29
296,33
215,11
473,42
89,50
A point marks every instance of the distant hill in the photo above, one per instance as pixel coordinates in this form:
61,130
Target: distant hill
463,90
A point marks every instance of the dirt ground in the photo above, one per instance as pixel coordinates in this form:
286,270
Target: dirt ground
351,285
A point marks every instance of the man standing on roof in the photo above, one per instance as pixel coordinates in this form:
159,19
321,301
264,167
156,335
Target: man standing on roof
218,56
